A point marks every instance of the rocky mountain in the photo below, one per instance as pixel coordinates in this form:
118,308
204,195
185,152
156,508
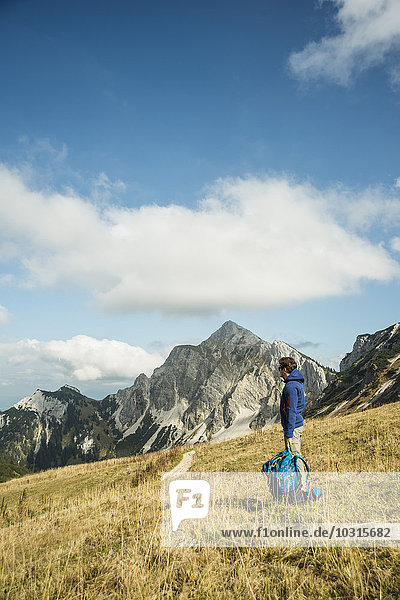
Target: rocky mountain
50,429
226,386
369,375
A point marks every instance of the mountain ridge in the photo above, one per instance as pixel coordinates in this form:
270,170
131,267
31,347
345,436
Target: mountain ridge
225,386
369,375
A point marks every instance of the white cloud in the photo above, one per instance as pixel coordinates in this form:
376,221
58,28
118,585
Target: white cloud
81,358
397,183
395,244
104,189
333,363
360,212
4,315
9,278
253,243
368,31
42,147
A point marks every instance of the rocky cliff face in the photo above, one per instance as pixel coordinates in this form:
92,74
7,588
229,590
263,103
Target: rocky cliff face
379,342
369,375
226,386
51,429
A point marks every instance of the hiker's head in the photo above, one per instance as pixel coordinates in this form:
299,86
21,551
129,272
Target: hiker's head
287,364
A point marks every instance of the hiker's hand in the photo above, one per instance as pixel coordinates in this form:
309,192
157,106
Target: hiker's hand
288,442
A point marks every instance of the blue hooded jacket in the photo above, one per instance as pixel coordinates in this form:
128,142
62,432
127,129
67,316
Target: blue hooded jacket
292,403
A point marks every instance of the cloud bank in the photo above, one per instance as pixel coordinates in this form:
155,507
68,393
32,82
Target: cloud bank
368,31
81,358
252,243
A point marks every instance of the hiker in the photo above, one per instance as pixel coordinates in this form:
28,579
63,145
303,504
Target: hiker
292,403
284,467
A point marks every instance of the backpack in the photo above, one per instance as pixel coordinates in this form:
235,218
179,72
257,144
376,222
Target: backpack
285,477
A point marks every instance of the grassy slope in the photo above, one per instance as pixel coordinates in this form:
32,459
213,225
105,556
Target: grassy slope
9,470
92,531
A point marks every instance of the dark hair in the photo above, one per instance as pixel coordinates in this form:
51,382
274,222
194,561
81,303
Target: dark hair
288,363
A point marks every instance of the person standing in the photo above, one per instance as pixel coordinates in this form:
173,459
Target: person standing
292,404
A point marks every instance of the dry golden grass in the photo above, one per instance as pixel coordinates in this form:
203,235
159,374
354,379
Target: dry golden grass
92,531
366,441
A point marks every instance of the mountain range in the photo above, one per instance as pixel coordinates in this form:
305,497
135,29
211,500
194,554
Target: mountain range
369,375
226,386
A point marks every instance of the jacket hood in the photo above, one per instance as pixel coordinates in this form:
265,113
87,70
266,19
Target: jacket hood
295,375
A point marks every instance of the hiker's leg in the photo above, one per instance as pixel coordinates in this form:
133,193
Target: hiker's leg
295,448
296,440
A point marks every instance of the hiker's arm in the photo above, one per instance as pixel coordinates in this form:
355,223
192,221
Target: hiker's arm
291,411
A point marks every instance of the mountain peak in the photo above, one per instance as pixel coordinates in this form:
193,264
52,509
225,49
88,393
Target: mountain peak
66,386
230,327
383,340
229,331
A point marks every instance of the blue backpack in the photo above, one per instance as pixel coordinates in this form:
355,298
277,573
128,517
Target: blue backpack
285,480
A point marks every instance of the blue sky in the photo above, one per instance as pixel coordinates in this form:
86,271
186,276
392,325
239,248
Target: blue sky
165,167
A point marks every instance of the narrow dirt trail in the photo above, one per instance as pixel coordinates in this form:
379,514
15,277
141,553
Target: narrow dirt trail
184,465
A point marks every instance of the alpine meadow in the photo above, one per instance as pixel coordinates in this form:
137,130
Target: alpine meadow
92,531
199,300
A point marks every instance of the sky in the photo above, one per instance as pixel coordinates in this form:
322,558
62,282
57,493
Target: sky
168,166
